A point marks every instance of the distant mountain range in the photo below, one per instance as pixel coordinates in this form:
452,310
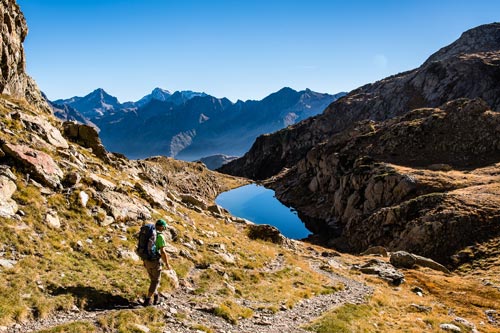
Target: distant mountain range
186,124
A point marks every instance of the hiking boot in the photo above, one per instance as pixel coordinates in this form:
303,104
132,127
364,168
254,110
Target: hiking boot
147,301
156,299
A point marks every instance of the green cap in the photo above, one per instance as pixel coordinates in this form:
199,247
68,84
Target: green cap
161,223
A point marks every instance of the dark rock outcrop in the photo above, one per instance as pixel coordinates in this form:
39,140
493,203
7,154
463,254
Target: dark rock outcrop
370,185
86,136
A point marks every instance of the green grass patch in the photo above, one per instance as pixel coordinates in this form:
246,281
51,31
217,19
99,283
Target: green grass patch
232,312
342,320
126,321
77,327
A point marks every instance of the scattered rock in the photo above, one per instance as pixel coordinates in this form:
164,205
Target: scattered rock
493,317
123,207
228,258
216,209
450,328
141,328
383,269
127,254
83,198
194,200
421,308
6,263
172,276
8,207
403,259
265,232
418,291
43,128
52,220
171,249
429,263
154,196
72,178
466,323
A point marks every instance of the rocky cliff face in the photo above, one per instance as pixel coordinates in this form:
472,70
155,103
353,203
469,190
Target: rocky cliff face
404,162
467,68
423,182
13,80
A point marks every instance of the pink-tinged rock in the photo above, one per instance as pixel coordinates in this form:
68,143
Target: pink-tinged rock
39,164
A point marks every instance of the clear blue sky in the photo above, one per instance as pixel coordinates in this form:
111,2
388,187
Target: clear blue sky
234,48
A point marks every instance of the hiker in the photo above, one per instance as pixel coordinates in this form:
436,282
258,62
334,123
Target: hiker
153,252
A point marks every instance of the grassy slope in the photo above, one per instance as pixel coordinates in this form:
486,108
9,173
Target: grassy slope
55,274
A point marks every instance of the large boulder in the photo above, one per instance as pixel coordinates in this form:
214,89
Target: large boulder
265,232
37,163
85,136
402,259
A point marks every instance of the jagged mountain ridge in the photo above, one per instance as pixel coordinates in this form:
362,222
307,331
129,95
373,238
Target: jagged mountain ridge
370,171
191,125
431,85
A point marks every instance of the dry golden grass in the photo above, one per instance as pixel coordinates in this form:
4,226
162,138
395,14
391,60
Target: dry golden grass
391,309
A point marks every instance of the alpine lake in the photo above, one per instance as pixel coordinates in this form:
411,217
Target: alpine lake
259,205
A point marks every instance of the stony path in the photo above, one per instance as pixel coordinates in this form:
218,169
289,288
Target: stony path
284,321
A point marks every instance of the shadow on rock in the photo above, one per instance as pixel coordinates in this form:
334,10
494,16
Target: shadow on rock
91,299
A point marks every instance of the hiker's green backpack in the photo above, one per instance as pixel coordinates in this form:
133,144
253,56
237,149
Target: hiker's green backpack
146,245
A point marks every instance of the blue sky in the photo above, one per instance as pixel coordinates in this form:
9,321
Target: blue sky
233,48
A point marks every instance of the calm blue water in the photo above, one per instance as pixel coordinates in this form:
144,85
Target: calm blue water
258,204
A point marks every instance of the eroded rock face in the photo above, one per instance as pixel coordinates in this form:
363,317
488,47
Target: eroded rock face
13,79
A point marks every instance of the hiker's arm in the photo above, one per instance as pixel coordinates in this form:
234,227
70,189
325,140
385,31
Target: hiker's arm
164,257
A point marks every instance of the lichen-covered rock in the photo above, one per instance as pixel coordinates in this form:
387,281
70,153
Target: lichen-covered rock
39,164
